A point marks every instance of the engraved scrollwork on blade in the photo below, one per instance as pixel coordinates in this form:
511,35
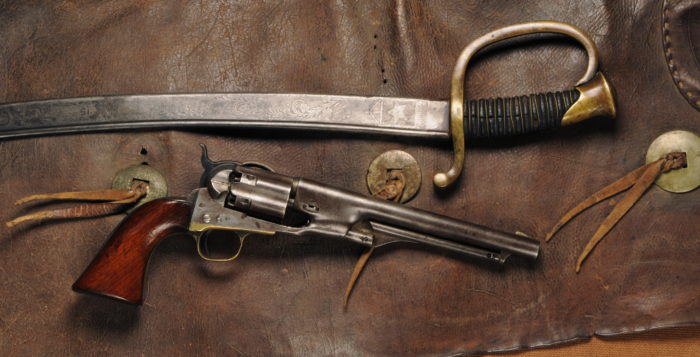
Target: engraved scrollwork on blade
305,111
250,107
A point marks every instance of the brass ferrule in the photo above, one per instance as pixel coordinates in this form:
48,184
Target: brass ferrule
597,100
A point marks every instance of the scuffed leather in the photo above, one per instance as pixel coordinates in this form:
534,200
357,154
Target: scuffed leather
284,297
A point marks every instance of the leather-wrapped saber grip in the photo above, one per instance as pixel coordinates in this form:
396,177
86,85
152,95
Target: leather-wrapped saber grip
497,117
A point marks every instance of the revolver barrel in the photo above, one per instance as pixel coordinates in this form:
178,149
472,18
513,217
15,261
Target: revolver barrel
391,222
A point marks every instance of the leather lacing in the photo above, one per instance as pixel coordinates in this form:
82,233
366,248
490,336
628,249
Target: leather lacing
637,181
118,201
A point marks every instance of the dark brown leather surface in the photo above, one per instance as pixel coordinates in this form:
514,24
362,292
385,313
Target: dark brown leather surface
284,297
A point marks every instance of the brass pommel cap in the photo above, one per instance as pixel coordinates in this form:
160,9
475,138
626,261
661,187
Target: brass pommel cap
597,100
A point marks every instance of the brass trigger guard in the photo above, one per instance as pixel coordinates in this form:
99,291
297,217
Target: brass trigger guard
444,179
241,239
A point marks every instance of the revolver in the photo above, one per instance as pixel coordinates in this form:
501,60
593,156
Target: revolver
250,199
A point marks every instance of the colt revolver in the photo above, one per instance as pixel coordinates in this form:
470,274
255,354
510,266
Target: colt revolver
250,199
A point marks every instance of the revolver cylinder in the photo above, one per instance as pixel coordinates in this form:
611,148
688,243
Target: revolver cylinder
260,193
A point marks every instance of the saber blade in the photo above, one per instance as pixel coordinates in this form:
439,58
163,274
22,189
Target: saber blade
372,115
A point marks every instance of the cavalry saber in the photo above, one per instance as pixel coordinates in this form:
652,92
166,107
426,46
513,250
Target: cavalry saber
379,115
457,119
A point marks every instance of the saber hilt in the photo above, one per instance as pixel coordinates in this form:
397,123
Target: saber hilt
499,117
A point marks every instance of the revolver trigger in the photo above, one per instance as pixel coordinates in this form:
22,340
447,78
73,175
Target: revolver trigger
202,241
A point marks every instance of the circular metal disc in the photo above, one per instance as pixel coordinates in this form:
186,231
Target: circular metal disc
680,180
379,169
157,186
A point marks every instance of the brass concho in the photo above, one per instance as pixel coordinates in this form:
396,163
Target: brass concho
681,180
379,169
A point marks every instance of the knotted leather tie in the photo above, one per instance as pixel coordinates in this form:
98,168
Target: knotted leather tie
637,181
118,200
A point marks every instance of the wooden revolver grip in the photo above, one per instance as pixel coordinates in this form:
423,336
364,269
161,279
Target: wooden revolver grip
118,270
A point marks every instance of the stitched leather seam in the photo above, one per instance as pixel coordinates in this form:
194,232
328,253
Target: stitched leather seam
692,98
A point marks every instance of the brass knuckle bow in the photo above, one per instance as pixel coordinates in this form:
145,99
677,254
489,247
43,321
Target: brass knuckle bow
596,96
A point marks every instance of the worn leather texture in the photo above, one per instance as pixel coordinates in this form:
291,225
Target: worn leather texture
284,297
